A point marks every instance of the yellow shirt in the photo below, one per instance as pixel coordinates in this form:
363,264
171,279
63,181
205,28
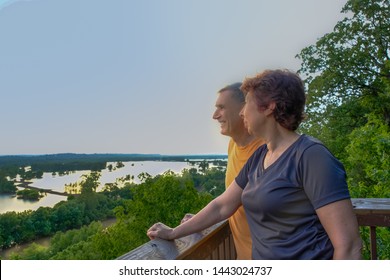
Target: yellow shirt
237,157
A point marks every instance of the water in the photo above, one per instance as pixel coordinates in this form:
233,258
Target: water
11,203
57,183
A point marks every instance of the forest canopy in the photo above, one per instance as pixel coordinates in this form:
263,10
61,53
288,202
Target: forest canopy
347,77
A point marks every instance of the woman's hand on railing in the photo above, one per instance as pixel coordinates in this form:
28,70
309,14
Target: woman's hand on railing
186,218
159,230
216,211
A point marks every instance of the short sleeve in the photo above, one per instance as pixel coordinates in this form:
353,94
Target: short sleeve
323,176
243,177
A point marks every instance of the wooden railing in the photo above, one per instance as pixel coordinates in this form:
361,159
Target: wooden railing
216,243
372,212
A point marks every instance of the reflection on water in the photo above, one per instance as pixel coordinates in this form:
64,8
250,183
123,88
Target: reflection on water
11,203
57,183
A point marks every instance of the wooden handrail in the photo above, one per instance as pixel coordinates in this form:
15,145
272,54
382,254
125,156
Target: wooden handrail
193,246
217,243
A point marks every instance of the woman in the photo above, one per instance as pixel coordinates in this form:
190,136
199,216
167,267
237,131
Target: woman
293,189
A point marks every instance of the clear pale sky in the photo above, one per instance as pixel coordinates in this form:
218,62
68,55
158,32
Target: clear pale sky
93,76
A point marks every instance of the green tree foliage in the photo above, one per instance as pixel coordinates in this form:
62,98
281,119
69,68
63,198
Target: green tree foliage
204,166
90,183
32,252
66,216
29,174
165,198
368,163
11,170
6,187
28,194
348,81
62,243
41,221
348,73
211,180
347,76
15,228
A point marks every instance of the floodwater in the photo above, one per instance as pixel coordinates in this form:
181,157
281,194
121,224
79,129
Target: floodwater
57,183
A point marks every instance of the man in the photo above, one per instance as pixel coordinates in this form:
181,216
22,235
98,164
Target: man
228,105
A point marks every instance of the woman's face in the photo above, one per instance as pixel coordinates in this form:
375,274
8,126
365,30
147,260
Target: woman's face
253,118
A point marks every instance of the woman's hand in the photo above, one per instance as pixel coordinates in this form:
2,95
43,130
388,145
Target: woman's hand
160,230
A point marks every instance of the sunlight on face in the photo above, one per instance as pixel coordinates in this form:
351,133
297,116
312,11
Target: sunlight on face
227,113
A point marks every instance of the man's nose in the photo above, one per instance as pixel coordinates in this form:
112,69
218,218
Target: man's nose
216,115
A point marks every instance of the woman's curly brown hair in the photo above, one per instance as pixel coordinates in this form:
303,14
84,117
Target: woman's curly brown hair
283,87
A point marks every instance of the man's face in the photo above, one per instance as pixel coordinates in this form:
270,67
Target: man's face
227,113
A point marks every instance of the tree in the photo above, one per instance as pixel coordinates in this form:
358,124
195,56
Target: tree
41,221
349,69
27,194
347,76
32,252
368,163
90,183
203,166
6,186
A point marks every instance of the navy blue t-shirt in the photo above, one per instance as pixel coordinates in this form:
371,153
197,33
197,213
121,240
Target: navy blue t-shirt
280,201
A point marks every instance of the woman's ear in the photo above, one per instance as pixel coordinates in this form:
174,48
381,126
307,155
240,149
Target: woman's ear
270,108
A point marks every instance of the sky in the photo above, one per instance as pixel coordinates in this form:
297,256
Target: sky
94,76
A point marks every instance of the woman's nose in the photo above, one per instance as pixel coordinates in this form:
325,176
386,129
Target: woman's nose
242,112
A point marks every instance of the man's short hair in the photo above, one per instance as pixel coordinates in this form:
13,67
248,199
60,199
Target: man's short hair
236,91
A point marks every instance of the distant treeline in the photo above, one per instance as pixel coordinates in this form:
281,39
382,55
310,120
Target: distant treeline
70,162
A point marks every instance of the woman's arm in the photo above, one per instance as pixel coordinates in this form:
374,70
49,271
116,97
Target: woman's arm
341,225
217,210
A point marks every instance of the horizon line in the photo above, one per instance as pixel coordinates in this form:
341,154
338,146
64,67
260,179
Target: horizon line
151,154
